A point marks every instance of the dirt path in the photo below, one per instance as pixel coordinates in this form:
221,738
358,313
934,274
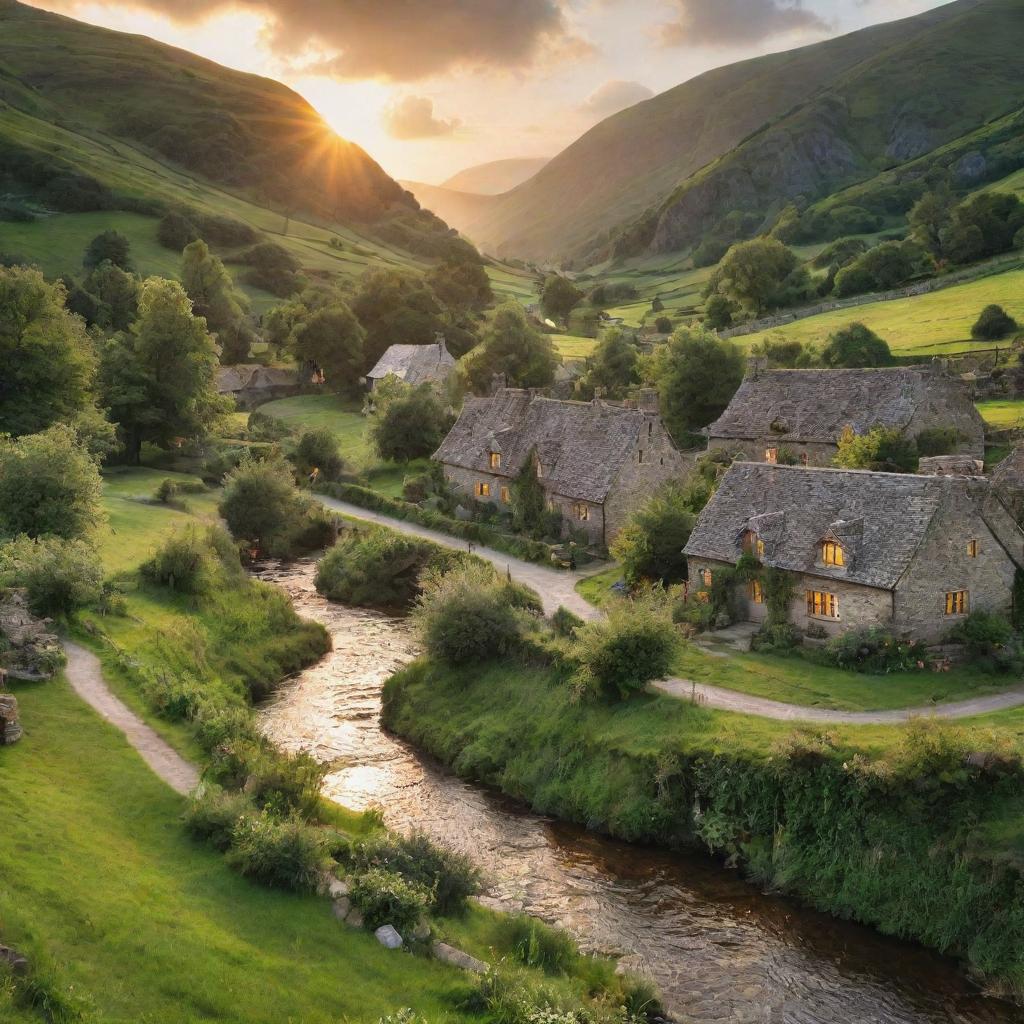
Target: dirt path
557,587
85,675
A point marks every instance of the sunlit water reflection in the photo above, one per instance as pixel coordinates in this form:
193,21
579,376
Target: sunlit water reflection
718,948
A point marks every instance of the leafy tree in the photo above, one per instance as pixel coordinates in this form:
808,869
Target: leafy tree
512,347
663,325
58,575
883,267
786,353
318,449
529,506
411,426
333,339
117,295
840,253
657,305
984,226
759,275
699,375
719,312
559,297
279,322
882,449
158,379
260,501
214,297
175,231
993,323
650,545
49,484
108,246
273,268
46,356
855,345
930,218
614,365
462,286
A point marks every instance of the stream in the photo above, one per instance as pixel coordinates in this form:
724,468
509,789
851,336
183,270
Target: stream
718,948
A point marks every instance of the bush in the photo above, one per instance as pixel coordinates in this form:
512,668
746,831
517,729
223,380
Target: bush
650,545
873,650
565,622
264,427
993,323
620,654
183,563
536,944
467,616
385,897
213,814
59,576
282,853
410,426
937,441
990,641
451,877
284,783
318,449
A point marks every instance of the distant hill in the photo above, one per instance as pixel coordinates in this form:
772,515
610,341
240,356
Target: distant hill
456,208
498,176
794,125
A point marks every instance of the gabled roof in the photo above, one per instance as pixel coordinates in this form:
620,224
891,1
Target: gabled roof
414,364
581,445
880,518
816,405
246,376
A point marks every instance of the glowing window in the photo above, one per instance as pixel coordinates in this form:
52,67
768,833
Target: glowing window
972,549
705,575
771,455
957,602
822,605
495,460
581,511
505,496
483,490
755,592
832,553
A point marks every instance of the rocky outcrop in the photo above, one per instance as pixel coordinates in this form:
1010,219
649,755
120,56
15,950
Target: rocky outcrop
33,652
10,728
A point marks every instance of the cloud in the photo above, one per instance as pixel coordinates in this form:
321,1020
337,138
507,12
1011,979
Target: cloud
735,22
613,96
412,117
400,40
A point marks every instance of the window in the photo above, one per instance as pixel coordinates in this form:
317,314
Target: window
832,553
540,471
482,489
771,455
495,460
650,429
957,602
705,576
581,510
822,605
505,496
755,592
753,544
972,548
640,455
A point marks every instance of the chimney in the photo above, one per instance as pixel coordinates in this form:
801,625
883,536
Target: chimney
647,400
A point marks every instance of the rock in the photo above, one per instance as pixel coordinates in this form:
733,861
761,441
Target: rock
342,907
354,918
17,963
388,937
457,958
333,886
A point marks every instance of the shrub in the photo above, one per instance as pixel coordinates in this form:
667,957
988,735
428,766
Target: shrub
650,545
212,814
873,650
466,616
183,563
283,783
282,853
881,449
620,654
451,877
993,323
167,491
937,441
990,642
318,449
565,622
59,576
536,944
385,897
410,426
855,345
264,427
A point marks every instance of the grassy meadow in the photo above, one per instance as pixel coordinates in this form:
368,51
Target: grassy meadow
1002,413
573,346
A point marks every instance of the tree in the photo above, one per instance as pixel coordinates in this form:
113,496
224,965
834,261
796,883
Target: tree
855,345
513,348
759,275
529,505
411,426
159,379
109,246
319,450
117,295
208,284
49,484
650,545
993,323
332,339
882,449
560,297
699,375
175,231
984,226
260,502
930,217
273,268
59,576
719,312
613,366
657,305
462,286
279,322
47,362
663,325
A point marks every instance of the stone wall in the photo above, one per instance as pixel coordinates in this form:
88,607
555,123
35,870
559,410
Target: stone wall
753,450
10,727
948,404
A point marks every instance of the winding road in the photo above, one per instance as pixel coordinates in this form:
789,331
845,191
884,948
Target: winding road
558,587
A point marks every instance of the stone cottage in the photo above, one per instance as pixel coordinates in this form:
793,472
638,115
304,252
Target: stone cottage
596,461
913,553
414,364
252,384
799,415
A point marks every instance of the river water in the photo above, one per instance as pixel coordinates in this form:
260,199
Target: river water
718,948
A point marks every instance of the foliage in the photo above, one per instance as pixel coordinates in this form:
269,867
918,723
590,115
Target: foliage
512,348
759,275
990,641
386,897
461,285
565,622
60,576
536,944
213,813
937,441
874,650
621,653
332,339
663,325
109,246
529,504
650,545
281,853
882,268
49,484
176,230
272,268
855,345
183,563
114,297
983,226
47,357
719,312
698,377
559,297
930,216
261,426
993,323
883,449
613,366
466,616
209,285
318,449
840,253
450,877
411,426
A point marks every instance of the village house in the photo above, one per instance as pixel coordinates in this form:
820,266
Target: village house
798,416
252,384
596,461
414,364
913,553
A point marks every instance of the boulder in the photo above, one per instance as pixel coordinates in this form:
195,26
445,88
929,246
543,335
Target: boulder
457,958
388,937
354,918
341,908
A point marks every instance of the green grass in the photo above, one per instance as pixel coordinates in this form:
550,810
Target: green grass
596,588
924,325
572,346
1002,413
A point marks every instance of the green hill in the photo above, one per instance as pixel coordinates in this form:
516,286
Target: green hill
496,176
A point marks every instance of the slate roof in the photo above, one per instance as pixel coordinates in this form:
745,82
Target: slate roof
880,518
581,445
816,405
252,376
414,364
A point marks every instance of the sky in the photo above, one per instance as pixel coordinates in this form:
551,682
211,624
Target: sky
429,87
